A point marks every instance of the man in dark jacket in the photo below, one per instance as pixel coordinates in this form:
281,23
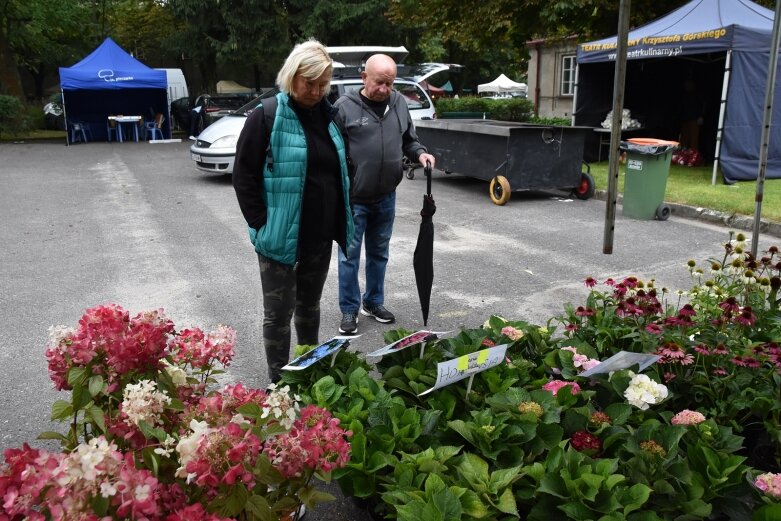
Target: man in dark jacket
379,129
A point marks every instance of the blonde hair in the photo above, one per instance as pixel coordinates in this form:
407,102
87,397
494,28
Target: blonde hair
309,59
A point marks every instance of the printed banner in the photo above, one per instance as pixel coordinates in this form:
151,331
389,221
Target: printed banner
328,347
622,360
409,340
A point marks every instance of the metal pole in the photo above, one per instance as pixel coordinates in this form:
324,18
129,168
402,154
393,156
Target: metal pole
772,66
575,94
722,111
615,132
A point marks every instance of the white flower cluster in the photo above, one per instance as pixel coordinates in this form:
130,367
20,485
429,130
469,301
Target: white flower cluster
177,374
643,391
87,461
188,445
627,121
282,406
56,336
142,402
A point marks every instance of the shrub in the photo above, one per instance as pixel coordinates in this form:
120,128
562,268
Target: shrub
511,109
12,115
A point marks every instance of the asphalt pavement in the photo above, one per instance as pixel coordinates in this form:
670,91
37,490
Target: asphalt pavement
135,224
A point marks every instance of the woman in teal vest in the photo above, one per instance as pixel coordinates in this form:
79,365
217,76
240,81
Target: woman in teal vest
292,184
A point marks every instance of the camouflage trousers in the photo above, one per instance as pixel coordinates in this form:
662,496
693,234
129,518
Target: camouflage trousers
288,291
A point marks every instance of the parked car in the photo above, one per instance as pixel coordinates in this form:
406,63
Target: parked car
217,106
215,148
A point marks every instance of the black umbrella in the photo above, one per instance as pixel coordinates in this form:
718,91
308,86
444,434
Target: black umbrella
423,259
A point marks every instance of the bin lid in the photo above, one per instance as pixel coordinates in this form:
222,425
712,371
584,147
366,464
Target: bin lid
647,145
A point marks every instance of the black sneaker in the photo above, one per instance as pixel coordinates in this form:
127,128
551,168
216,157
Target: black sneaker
379,313
349,323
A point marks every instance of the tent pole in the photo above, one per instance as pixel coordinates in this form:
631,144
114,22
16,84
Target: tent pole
575,94
615,129
65,119
772,67
722,110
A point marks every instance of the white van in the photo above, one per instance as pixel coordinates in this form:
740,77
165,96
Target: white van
177,85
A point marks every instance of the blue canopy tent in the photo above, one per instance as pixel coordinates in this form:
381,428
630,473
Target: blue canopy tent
111,82
723,46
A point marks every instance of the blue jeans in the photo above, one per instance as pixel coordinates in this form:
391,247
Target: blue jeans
375,221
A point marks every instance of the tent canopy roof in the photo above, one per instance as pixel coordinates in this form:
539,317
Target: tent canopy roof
109,67
697,27
502,84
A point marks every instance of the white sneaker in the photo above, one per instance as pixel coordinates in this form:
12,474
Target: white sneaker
193,138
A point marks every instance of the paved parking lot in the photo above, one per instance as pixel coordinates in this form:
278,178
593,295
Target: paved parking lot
133,223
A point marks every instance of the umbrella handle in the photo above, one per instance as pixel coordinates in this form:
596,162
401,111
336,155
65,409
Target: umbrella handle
427,172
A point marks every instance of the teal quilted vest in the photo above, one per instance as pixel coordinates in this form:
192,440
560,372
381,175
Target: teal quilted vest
283,182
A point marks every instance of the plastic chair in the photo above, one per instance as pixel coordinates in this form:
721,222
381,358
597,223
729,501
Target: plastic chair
79,132
153,129
112,127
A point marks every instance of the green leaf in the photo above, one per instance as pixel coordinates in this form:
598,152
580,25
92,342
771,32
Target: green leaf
474,470
51,435
311,496
472,505
767,513
80,397
504,477
95,385
77,375
61,410
98,417
507,503
259,507
250,410
234,502
635,497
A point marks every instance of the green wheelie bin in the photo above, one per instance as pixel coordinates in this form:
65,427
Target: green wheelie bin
647,167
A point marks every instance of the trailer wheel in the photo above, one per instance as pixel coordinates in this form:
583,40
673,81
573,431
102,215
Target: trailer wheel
585,190
500,190
663,212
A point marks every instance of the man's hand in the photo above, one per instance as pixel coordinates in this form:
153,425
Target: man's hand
422,158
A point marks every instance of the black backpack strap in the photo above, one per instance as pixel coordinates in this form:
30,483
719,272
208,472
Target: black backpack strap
269,114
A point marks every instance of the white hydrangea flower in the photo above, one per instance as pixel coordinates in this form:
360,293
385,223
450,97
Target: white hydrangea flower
57,334
177,374
643,391
281,406
189,444
167,447
142,402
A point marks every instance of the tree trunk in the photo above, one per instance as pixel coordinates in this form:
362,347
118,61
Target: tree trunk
10,80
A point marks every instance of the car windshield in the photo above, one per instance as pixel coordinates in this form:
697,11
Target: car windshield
413,94
247,109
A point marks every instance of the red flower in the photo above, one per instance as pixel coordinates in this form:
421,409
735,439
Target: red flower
585,442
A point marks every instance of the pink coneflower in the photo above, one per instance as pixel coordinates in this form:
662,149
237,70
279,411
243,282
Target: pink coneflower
702,349
720,349
654,329
584,312
730,305
687,311
671,350
746,317
571,328
739,361
686,360
609,282
630,282
751,362
668,377
620,289
720,372
590,282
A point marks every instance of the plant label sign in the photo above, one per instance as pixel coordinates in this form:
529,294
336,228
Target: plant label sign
409,340
466,366
622,360
329,347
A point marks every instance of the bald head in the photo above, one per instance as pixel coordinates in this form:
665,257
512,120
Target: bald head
378,77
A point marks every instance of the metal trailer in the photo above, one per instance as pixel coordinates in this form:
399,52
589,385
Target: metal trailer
512,156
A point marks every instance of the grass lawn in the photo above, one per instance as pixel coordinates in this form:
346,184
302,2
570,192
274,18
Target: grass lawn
692,186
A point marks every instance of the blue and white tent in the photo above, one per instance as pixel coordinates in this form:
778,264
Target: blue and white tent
110,81
723,46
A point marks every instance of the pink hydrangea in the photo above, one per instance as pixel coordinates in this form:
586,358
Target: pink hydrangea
770,484
555,385
687,417
512,333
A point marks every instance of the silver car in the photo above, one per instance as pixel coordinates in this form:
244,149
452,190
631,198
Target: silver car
215,148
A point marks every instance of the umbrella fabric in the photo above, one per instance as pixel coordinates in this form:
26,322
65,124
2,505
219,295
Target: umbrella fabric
423,258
